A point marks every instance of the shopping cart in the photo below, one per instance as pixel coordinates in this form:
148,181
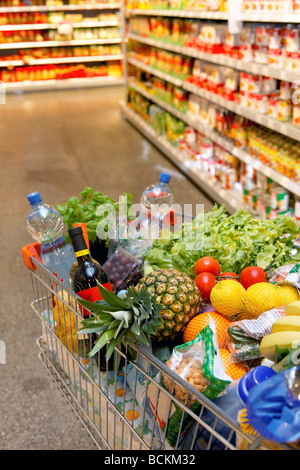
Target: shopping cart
122,404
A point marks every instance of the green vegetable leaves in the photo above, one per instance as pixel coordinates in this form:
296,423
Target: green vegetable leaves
92,208
236,241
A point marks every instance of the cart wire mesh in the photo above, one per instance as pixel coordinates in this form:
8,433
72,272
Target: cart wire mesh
122,402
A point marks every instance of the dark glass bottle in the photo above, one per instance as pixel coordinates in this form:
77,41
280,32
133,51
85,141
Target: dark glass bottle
85,274
86,271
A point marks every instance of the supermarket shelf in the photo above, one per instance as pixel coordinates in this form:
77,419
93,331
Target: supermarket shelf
210,15
35,44
284,128
224,142
231,198
221,59
62,84
271,17
40,26
33,8
72,60
62,60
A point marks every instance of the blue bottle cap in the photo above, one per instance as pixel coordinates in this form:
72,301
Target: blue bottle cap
259,374
34,197
165,177
243,389
254,377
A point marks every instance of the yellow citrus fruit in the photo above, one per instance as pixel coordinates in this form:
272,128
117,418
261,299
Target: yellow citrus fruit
200,321
226,298
235,370
259,298
287,294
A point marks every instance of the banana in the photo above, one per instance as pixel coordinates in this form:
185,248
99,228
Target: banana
293,308
287,323
282,339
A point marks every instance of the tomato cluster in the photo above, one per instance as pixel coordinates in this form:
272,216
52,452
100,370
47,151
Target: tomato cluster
208,273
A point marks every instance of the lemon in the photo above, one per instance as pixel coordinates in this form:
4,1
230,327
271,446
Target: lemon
287,294
259,298
226,298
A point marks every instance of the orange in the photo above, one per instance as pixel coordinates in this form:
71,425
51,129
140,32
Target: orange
235,370
200,321
131,415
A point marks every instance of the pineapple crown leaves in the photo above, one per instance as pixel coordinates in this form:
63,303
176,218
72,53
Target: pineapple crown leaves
130,319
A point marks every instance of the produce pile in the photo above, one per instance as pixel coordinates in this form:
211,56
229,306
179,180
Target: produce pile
217,298
236,241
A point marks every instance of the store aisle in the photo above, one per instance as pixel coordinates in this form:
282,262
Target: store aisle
57,143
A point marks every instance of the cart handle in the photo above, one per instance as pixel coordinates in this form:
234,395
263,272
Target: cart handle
29,251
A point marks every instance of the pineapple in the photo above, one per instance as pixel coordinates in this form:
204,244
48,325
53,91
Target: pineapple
158,308
180,297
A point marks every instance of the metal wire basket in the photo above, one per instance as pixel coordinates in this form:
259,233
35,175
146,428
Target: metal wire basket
122,403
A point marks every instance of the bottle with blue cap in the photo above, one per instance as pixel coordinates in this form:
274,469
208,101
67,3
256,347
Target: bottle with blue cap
156,202
158,197
235,397
45,225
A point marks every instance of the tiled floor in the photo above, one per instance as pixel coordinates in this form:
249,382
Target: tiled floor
57,143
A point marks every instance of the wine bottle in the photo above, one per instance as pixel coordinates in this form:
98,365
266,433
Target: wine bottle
85,274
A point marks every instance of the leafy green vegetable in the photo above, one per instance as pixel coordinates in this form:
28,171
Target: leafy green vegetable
92,208
236,241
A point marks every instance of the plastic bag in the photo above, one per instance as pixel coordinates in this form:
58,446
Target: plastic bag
244,336
199,363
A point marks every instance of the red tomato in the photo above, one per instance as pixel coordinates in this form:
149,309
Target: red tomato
207,264
205,282
252,275
229,275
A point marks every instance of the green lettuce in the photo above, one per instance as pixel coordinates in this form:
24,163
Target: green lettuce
236,241
92,208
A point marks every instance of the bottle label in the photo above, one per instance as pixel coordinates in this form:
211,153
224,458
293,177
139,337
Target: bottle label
92,295
82,253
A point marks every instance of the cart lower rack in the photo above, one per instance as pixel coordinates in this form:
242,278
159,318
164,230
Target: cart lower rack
122,403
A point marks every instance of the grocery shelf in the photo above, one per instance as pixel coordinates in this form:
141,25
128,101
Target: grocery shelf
62,60
220,59
284,128
39,26
61,84
231,198
45,8
223,141
185,13
35,44
68,60
283,17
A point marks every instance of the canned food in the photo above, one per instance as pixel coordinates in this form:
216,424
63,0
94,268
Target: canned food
279,199
284,110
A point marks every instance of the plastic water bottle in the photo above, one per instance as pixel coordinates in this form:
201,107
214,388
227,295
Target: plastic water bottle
235,397
158,198
46,225
231,402
156,202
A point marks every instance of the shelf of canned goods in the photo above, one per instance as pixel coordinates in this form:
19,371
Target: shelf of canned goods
190,64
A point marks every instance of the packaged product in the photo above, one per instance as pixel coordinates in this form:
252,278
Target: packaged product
279,199
292,40
296,114
199,363
284,110
285,90
244,336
